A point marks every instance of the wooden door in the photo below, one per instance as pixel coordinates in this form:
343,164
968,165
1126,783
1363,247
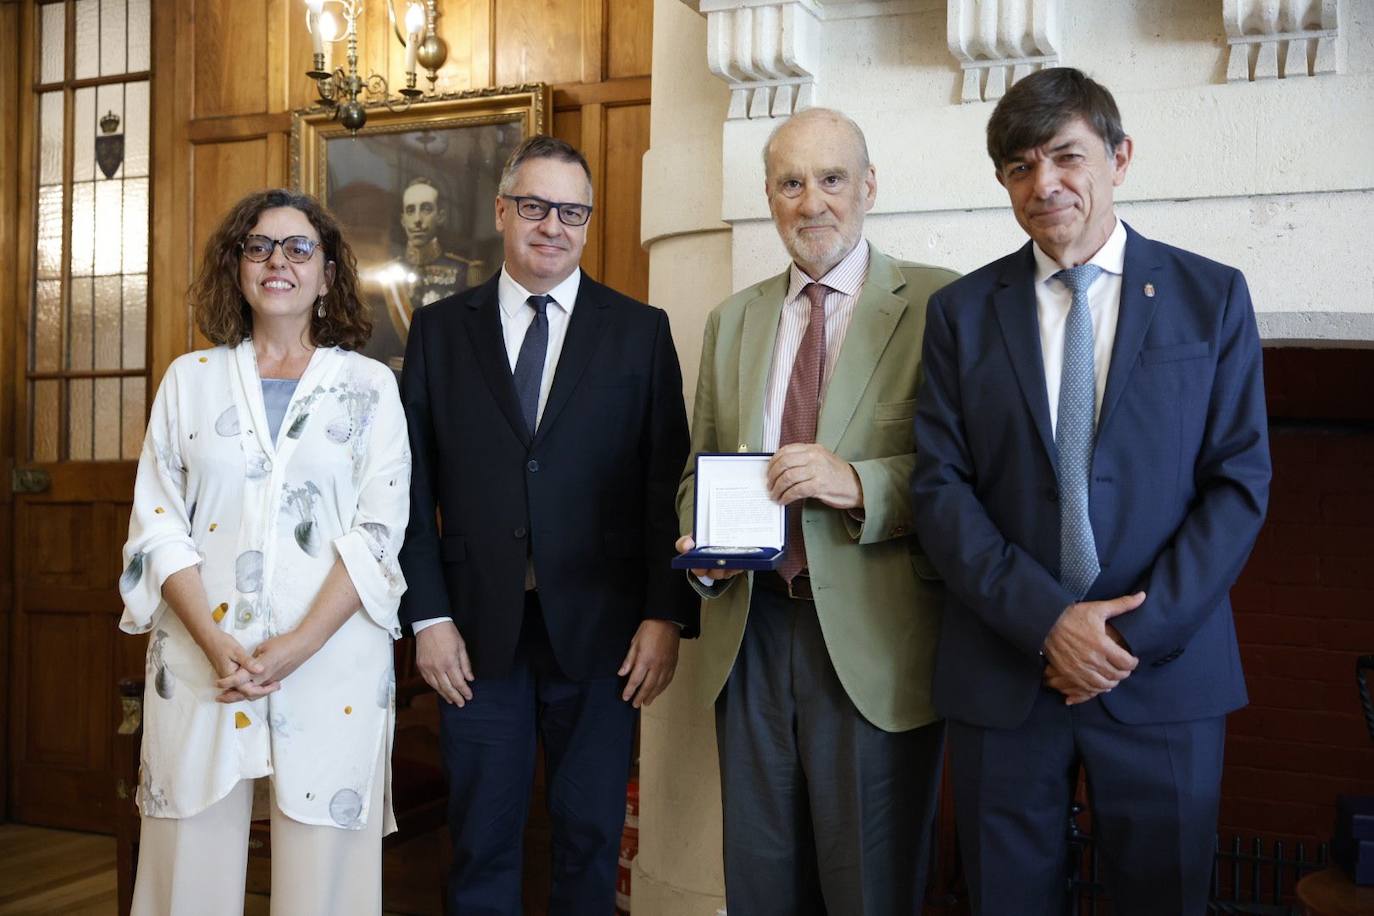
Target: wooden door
68,651
80,388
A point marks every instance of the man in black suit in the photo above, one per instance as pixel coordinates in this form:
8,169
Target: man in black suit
548,430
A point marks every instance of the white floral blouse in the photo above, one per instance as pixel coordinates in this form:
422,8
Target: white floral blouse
265,521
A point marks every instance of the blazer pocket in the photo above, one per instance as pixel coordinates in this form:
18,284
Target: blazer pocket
1166,659
895,410
453,549
1176,352
623,544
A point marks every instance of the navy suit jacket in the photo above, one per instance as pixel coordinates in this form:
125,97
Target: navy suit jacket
1179,484
591,497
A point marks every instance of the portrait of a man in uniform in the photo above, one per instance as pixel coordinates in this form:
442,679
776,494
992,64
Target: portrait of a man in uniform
416,205
425,272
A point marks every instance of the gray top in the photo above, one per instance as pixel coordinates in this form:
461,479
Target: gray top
276,397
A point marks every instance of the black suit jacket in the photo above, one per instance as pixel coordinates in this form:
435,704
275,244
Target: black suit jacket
590,497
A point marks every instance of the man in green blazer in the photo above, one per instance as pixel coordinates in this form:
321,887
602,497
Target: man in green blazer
820,672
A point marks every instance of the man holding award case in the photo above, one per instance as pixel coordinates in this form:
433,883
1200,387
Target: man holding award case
818,656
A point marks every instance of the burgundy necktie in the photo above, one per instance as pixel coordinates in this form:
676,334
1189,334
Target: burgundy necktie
799,412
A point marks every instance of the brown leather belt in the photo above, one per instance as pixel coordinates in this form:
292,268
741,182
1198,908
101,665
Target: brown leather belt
800,589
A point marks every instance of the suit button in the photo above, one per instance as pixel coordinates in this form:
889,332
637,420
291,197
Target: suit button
519,532
532,466
1052,494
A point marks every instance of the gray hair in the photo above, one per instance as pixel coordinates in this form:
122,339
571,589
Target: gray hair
541,146
820,114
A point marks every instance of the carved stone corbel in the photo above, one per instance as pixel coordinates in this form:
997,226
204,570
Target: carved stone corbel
767,51
1276,39
997,42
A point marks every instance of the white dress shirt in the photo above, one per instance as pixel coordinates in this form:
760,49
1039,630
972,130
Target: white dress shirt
516,318
846,281
1053,300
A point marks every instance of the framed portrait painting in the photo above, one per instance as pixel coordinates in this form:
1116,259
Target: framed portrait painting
414,192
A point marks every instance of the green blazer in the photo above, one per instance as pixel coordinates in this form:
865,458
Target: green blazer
877,597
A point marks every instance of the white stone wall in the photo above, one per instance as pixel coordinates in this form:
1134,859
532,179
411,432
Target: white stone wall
678,870
1271,175
1274,176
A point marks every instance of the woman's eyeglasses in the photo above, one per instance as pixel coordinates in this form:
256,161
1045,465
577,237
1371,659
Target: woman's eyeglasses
297,248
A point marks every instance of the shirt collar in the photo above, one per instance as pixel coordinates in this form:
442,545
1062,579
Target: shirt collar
512,295
1111,257
846,277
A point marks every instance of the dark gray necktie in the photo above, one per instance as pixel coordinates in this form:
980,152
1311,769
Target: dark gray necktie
1074,435
529,365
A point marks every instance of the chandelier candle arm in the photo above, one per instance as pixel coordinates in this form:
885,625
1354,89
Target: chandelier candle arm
312,23
415,24
339,89
433,50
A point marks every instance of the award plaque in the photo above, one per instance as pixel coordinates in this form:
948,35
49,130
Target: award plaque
736,524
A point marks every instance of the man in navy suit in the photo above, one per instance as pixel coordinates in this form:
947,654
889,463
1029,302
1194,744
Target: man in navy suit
1092,469
547,429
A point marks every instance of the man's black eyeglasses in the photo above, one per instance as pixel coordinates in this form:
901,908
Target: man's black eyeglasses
536,208
297,248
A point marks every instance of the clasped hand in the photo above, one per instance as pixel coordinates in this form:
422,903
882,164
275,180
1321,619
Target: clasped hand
245,676
1086,655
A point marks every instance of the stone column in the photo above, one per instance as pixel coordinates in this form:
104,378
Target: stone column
678,870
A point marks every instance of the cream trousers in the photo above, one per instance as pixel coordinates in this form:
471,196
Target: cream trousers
196,866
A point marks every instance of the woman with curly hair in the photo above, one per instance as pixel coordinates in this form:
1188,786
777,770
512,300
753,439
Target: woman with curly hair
271,499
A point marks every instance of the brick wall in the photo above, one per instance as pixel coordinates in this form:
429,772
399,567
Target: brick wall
1305,603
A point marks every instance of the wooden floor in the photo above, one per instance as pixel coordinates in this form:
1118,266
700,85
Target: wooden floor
51,871
73,874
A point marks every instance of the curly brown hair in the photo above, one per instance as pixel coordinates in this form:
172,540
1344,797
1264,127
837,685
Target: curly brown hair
221,312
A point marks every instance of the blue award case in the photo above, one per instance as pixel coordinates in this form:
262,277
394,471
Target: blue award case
716,556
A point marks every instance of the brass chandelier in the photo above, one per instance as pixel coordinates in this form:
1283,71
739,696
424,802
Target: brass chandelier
342,89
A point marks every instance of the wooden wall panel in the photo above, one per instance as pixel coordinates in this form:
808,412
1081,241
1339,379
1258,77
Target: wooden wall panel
629,37
58,703
230,51
60,539
625,264
567,125
466,25
539,40
168,328
221,174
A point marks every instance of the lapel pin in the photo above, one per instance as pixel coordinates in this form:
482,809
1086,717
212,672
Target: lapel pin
1149,290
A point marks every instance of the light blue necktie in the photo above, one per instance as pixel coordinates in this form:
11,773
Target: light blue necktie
1074,434
529,364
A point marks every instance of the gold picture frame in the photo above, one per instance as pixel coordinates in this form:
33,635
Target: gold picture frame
414,192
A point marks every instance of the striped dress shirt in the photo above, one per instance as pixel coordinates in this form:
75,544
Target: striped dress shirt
846,282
